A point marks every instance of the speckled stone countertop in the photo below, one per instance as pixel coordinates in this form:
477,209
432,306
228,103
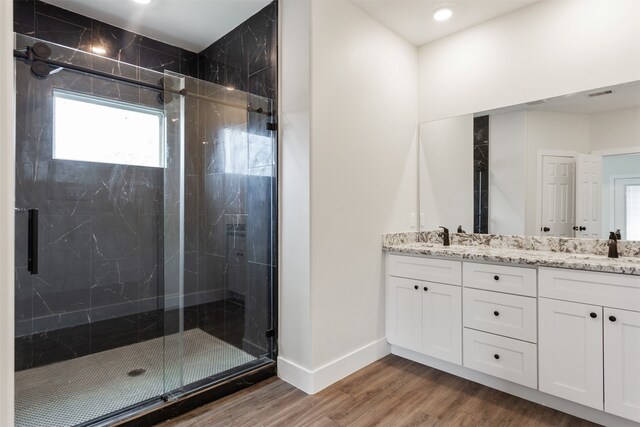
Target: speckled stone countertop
578,254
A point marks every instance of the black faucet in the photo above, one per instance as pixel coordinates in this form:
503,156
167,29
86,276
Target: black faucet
445,237
613,245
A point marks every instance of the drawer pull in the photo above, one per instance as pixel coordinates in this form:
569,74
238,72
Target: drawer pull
496,313
426,289
415,287
593,315
496,356
496,277
612,318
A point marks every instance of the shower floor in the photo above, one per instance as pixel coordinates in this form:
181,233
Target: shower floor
78,390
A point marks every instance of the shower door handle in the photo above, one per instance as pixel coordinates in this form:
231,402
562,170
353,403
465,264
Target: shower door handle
32,249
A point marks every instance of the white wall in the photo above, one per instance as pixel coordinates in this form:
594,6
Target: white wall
364,169
507,171
361,165
550,131
547,49
446,173
294,326
7,203
615,129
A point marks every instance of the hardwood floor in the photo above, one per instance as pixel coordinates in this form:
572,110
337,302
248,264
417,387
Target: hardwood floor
390,392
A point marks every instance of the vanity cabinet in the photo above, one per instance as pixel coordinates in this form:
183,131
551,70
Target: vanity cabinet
590,353
423,315
568,333
570,349
622,363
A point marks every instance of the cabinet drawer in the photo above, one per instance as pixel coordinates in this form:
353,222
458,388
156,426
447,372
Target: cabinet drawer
603,289
509,315
428,269
505,358
513,280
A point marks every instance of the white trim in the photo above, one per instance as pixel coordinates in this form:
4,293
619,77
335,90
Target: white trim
518,390
541,154
312,381
7,204
617,151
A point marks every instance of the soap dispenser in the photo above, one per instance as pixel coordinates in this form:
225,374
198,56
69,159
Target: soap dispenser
613,245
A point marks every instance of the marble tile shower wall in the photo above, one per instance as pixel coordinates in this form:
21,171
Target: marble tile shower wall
51,23
481,174
239,180
234,260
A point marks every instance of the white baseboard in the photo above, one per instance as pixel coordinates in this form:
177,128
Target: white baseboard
527,393
312,381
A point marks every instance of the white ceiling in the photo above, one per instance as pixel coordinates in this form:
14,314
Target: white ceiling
413,19
190,24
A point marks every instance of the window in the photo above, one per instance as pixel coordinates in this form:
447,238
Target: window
633,211
92,129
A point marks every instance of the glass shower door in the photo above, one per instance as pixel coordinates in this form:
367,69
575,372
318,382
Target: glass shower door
228,229
97,195
145,236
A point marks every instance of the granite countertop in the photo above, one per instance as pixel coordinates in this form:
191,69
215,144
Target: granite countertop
508,255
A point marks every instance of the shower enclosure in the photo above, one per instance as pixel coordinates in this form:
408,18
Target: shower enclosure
145,235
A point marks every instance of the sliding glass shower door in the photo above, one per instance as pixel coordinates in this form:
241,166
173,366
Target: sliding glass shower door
144,235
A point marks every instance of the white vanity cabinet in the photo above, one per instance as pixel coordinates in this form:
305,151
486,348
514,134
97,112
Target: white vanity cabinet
590,353
570,349
567,333
499,318
424,315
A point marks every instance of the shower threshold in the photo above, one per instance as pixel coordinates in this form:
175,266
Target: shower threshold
79,390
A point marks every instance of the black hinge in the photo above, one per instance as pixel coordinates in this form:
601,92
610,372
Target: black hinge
272,126
270,333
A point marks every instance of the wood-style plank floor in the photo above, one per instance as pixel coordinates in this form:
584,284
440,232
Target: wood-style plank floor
390,392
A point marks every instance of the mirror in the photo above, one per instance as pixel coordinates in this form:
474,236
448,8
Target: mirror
565,166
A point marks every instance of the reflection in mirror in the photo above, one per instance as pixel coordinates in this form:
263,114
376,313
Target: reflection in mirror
566,166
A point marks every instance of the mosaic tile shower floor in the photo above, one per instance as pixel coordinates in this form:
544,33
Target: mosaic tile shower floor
78,390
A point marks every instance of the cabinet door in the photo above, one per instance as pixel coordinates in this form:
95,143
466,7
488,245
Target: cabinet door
570,351
622,363
442,321
404,313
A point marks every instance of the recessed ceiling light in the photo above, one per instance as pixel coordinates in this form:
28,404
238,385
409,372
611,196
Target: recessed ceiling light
142,1
98,50
442,14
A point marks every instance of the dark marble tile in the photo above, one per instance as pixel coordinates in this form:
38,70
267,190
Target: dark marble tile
257,312
121,45
23,352
62,32
24,16
112,332
62,14
159,46
215,272
190,273
260,216
150,325
61,344
189,63
158,61
263,82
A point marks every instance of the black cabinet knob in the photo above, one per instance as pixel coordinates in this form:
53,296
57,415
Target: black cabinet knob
546,229
425,289
496,356
415,286
496,313
593,315
612,318
496,277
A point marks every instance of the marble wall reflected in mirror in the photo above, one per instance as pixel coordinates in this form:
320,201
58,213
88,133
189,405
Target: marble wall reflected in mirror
565,166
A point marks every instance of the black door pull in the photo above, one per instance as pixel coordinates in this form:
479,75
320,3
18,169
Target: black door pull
32,244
